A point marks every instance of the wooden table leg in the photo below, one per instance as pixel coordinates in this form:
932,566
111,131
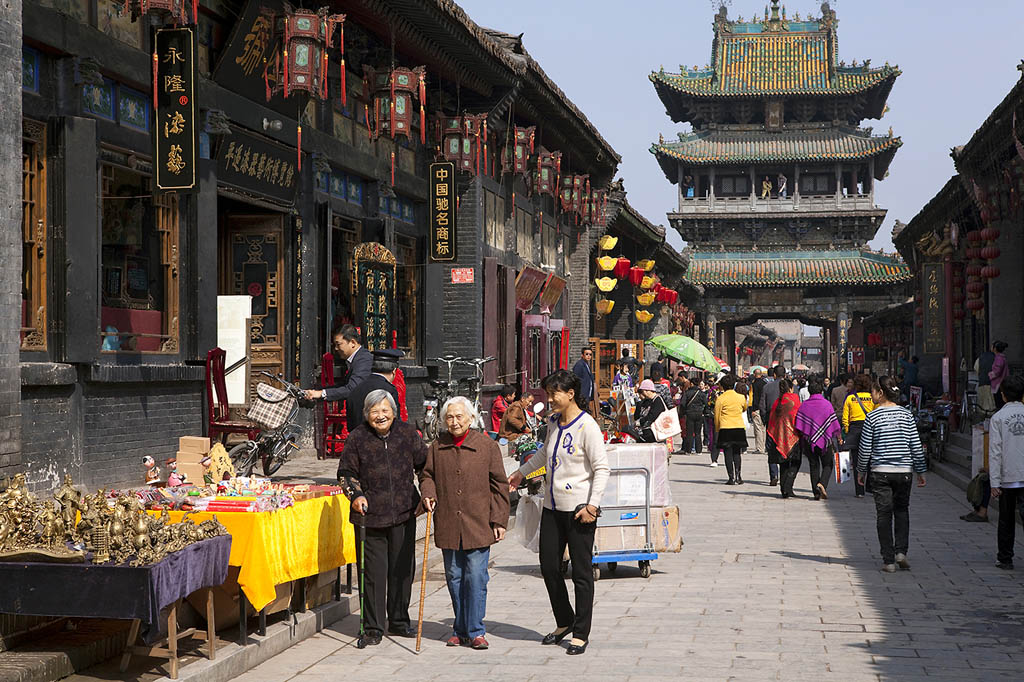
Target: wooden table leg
211,630
172,639
243,616
133,633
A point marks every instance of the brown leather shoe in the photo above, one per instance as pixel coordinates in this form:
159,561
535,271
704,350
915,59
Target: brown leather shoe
479,643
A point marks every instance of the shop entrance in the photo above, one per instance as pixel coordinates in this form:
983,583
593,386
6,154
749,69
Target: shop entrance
251,262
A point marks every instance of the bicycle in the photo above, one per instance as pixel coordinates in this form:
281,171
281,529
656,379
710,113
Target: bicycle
275,411
476,383
443,390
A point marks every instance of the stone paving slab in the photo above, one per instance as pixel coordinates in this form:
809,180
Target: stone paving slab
764,589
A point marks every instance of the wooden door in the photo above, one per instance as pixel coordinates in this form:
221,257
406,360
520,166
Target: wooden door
252,254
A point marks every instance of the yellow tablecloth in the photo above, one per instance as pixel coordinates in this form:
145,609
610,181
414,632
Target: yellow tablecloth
271,548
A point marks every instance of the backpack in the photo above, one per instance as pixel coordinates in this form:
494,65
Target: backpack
975,489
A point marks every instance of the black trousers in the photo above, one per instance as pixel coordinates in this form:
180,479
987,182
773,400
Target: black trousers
733,461
892,507
788,470
694,438
558,529
822,466
853,438
1009,503
389,565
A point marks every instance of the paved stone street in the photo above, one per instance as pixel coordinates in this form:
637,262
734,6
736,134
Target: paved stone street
764,589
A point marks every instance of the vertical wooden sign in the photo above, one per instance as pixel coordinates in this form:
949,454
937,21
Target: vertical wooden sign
174,115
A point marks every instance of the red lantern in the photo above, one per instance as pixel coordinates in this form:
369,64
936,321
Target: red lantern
975,287
990,234
958,297
516,158
973,252
958,314
973,271
621,268
975,304
990,271
548,173
392,95
575,194
464,141
918,311
636,276
301,64
974,237
990,252
919,322
673,296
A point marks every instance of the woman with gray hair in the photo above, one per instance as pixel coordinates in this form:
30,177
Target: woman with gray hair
381,458
464,484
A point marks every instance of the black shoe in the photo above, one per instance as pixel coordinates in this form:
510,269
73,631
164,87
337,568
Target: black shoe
730,482
554,637
773,482
369,638
402,631
576,650
739,481
1005,565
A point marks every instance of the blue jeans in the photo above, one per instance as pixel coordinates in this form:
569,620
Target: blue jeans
466,572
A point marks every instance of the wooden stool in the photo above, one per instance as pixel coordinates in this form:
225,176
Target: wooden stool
171,642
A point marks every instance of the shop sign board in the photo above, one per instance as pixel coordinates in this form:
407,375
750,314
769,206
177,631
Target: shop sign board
256,165
442,212
174,124
375,278
934,308
462,275
552,292
249,50
529,283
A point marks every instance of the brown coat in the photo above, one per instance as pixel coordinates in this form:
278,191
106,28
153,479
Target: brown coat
471,490
513,423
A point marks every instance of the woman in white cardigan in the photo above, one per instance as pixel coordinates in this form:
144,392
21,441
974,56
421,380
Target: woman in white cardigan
577,471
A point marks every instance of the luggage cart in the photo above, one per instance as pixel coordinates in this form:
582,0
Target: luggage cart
634,515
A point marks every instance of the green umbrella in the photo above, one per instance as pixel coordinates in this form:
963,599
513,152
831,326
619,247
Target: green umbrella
686,350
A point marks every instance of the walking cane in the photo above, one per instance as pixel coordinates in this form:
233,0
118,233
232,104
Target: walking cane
423,583
360,522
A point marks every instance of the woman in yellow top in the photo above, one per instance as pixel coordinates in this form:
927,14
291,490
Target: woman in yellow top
855,410
732,433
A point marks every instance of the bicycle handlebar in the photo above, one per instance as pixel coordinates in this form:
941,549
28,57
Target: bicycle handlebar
292,389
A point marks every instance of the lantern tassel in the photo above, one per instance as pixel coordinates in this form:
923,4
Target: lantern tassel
286,90
344,98
392,105
195,12
299,147
341,41
266,81
155,90
392,169
423,108
485,146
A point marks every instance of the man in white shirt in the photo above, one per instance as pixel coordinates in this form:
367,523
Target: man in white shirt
1006,462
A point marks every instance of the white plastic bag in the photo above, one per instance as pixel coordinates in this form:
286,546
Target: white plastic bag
844,469
527,530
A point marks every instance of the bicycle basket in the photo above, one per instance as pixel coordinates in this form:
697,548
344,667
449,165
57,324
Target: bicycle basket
270,406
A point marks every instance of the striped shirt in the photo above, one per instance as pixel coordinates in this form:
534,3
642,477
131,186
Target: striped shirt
890,442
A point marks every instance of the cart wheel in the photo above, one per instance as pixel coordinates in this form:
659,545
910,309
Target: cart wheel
612,565
565,568
597,573
645,569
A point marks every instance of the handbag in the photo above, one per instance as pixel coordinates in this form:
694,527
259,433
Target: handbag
666,425
844,468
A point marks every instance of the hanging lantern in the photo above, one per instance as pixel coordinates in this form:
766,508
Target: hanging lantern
621,268
604,306
958,314
516,157
607,263
647,264
636,276
596,212
974,237
990,234
990,252
645,299
973,270
919,322
574,194
647,282
301,62
392,94
990,271
606,284
548,172
607,242
644,316
958,296
918,311
168,11
975,287
975,304
673,296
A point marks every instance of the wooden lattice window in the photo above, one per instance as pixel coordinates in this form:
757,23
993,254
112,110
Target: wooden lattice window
139,285
33,236
409,286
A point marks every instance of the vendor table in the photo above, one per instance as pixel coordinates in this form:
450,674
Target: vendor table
121,592
272,548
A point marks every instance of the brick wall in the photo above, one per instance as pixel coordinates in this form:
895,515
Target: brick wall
462,304
10,237
51,443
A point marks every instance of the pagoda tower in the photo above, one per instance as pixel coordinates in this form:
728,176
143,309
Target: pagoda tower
777,178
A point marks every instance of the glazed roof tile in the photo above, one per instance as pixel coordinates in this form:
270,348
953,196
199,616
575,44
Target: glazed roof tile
795,268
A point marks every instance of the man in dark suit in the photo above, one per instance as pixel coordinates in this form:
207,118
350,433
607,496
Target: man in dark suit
360,365
585,372
385,365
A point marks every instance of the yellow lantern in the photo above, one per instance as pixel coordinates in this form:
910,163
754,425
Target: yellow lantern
604,306
647,264
607,263
647,282
644,316
646,299
607,242
606,284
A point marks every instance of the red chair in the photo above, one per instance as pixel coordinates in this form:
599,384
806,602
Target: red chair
335,420
217,407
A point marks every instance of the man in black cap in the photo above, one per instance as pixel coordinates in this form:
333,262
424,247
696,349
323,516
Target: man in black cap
385,364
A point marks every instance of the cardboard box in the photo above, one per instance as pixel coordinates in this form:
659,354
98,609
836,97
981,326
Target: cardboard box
186,457
225,601
665,529
620,538
320,588
194,444
193,472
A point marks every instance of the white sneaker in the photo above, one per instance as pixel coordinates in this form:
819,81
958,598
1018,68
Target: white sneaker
889,568
713,464
901,561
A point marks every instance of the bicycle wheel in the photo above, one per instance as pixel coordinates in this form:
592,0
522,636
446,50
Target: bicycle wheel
272,463
243,457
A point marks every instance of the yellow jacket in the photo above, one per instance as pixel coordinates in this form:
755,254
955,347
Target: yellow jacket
729,409
853,412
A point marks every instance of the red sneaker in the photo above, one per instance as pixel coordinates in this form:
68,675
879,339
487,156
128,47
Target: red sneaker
479,643
455,640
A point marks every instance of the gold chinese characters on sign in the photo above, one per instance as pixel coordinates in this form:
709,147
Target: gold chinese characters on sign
443,207
934,308
174,111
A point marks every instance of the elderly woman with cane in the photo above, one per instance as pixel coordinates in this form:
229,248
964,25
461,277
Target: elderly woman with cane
464,485
376,470
577,472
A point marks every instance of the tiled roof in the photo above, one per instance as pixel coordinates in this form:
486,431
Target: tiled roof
723,147
774,64
795,268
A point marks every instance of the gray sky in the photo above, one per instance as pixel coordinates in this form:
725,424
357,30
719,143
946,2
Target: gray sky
958,59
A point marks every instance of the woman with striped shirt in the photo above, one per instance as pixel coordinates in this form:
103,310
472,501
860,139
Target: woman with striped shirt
891,453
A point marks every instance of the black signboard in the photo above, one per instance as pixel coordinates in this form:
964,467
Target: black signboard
254,164
375,287
174,123
443,195
250,49
934,308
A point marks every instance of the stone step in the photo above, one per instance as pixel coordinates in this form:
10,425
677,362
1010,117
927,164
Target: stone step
957,475
83,643
961,440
